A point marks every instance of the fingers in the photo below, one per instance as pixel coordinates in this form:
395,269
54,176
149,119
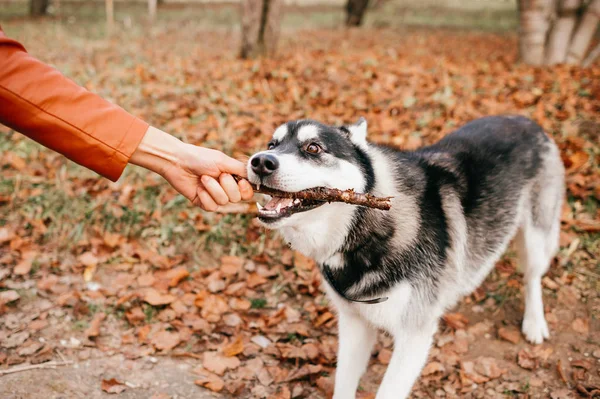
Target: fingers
246,190
214,189
232,166
205,201
214,193
230,187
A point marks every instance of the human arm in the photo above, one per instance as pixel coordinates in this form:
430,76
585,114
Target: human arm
41,103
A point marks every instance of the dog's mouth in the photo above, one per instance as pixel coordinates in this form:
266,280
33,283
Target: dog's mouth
278,208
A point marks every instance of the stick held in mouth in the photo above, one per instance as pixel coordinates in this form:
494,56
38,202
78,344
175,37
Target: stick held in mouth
325,194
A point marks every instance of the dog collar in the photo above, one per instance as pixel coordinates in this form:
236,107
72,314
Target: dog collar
329,276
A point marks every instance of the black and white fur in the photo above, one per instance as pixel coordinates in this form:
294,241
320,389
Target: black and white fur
457,205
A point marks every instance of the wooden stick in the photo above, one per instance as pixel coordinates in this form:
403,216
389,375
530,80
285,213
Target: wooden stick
47,365
324,194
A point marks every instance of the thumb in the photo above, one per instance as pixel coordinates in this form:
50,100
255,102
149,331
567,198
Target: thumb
232,166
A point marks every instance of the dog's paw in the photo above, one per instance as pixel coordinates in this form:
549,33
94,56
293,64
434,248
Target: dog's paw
535,329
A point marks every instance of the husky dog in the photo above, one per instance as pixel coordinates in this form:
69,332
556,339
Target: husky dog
457,204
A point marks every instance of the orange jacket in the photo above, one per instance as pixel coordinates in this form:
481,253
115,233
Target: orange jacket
39,102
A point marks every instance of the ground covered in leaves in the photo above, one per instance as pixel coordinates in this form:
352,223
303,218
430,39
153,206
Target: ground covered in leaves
127,290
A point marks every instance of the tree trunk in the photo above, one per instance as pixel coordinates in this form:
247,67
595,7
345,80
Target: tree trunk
355,11
560,35
534,23
261,24
38,7
152,9
110,15
584,33
595,53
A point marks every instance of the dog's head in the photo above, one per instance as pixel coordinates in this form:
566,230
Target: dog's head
307,154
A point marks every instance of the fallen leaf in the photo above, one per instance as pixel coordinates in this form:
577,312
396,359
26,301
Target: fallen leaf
384,356
30,349
304,371
8,296
212,382
326,385
135,315
239,303
15,340
526,360
261,341
283,392
561,372
468,374
232,320
488,367
550,284
510,334
165,340
289,351
432,368
311,350
584,364
578,159
94,329
264,377
456,320
88,259
176,275
254,280
231,265
582,326
6,235
111,240
37,325
218,364
322,319
113,386
155,298
234,348
303,262
24,266
215,286
213,307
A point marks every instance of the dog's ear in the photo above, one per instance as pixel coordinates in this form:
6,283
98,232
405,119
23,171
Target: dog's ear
358,132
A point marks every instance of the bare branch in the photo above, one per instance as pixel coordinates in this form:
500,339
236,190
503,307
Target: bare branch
324,194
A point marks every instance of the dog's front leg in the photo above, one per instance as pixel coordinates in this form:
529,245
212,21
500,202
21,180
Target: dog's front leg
411,349
356,340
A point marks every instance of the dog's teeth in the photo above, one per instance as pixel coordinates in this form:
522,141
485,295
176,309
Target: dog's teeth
278,208
257,186
296,201
259,206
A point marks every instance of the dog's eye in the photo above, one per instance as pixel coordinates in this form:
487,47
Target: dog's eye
313,148
271,146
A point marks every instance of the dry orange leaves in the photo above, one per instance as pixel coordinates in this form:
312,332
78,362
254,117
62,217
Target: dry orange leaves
134,274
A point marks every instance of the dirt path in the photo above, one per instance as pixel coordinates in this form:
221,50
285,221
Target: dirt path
157,378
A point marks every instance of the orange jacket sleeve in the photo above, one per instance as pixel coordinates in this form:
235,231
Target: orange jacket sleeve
39,102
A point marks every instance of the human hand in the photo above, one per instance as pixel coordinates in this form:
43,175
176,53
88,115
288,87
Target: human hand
202,175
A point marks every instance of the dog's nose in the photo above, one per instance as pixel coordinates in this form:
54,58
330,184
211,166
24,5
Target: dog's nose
264,164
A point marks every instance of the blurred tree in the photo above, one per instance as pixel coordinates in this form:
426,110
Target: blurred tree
554,32
261,24
355,11
110,15
152,9
38,7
